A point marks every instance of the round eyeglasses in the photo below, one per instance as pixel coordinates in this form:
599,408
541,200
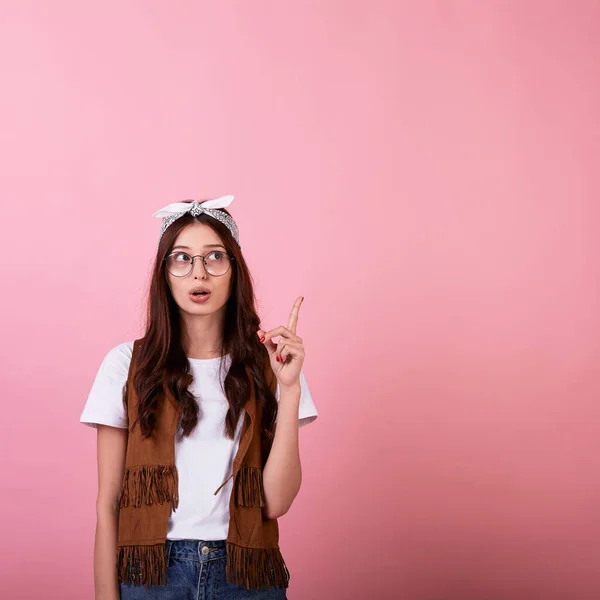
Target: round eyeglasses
180,264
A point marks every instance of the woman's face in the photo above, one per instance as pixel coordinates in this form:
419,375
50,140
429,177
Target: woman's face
194,239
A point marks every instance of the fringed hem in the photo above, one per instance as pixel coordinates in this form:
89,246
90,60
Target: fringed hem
249,487
256,568
150,484
142,565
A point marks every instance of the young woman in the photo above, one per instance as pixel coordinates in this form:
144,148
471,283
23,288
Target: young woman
162,529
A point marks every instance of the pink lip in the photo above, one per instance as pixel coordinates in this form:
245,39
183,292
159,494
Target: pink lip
199,299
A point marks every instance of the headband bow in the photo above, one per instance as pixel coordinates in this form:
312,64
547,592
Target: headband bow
172,212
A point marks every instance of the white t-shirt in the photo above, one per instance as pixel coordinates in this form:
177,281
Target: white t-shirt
204,460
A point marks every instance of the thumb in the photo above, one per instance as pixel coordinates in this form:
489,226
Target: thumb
269,344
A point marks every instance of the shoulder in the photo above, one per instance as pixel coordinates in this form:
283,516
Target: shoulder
105,401
116,361
121,353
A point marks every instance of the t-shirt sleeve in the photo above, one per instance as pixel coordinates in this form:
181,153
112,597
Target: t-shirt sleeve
307,412
104,405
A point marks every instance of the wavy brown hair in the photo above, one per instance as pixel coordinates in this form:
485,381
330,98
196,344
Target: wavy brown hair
162,358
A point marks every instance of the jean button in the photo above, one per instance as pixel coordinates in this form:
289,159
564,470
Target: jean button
205,550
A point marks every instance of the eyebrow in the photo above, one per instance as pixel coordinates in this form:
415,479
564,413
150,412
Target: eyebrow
205,246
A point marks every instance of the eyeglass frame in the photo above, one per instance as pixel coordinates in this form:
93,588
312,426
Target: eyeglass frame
203,257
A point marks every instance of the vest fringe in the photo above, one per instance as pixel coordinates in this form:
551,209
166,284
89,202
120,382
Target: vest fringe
149,484
249,487
255,568
142,565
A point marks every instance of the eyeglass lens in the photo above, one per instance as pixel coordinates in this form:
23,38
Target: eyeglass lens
180,264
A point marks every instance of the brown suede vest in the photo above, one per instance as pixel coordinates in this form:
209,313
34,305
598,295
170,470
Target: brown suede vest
150,491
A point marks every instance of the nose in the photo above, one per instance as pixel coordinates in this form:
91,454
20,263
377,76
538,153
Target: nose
198,267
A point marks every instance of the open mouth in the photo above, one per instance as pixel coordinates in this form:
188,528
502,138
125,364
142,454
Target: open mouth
199,296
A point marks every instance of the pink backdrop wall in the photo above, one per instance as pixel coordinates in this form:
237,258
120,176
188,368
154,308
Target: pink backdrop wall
424,173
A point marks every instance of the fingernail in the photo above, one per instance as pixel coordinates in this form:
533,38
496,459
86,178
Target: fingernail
262,339
277,359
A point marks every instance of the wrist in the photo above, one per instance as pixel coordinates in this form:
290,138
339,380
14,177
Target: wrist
290,387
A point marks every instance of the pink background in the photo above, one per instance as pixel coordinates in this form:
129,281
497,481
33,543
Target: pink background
424,173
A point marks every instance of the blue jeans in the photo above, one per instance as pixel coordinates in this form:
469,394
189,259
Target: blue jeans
196,575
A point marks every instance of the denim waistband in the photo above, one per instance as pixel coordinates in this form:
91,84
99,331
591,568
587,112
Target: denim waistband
200,550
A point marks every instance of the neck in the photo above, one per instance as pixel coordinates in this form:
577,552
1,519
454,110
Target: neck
202,335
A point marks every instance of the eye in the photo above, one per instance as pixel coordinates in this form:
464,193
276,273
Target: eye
181,257
216,255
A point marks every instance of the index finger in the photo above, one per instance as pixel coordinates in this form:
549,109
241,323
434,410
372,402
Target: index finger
293,320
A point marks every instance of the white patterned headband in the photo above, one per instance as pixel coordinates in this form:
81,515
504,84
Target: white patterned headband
172,212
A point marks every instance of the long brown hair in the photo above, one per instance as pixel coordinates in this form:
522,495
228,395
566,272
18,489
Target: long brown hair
162,357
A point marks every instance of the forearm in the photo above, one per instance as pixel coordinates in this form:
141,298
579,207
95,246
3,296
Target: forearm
282,474
105,555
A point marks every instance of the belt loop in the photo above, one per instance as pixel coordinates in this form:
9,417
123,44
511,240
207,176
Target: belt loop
169,544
